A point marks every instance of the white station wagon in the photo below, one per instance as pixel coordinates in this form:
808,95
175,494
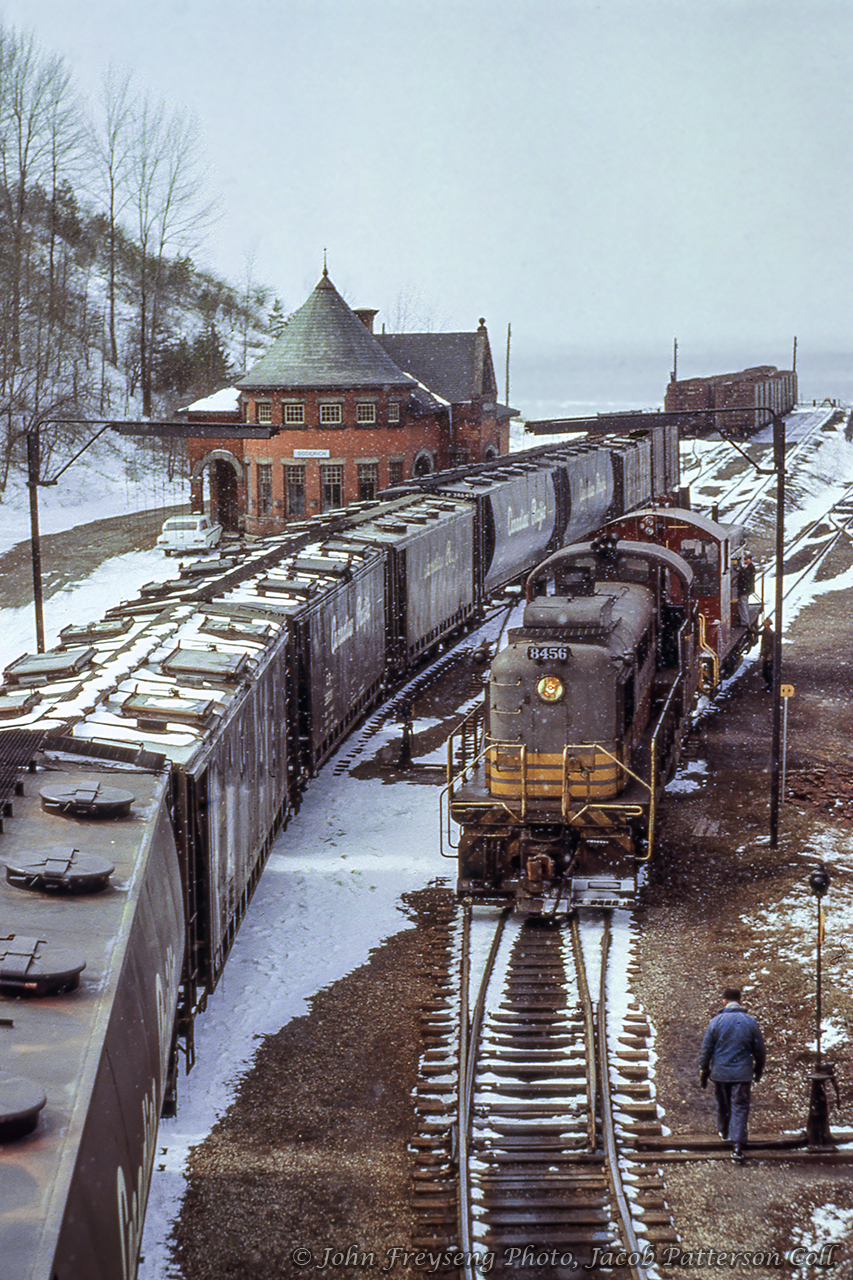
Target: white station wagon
189,533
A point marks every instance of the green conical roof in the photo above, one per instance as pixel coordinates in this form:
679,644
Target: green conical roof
325,345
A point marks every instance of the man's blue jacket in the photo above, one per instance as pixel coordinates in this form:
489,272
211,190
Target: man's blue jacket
733,1047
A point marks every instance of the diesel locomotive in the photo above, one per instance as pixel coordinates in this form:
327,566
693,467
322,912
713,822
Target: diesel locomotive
556,779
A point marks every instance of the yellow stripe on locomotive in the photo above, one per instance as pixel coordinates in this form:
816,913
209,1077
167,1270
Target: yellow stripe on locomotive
579,774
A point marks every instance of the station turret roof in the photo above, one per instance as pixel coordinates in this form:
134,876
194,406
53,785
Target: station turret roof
325,345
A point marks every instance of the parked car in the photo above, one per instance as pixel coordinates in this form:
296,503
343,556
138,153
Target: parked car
189,533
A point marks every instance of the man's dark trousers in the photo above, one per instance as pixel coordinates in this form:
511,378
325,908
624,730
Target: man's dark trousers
733,1108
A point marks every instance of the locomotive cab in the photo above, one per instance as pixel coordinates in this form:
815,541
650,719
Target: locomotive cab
712,550
557,804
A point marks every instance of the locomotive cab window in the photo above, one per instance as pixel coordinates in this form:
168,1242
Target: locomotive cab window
703,556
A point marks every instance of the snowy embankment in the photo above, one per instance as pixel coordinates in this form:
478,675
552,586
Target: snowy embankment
331,892
93,489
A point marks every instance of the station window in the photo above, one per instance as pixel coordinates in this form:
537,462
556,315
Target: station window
264,489
365,412
294,484
395,471
393,412
368,481
263,410
294,415
330,415
331,486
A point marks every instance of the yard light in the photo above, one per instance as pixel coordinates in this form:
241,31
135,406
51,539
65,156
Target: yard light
817,1128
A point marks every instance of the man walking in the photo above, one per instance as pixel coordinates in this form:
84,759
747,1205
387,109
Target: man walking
732,1056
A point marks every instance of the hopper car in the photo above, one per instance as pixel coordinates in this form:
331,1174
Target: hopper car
147,763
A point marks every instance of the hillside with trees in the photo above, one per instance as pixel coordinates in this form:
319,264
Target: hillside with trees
103,312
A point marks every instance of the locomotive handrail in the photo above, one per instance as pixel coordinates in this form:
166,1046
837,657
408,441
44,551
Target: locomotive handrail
453,779
704,647
677,686
493,802
630,809
474,714
593,747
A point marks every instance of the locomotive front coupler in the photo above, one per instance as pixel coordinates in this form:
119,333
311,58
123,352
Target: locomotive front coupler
546,857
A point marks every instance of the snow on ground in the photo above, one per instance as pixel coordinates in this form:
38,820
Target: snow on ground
114,580
109,481
330,893
813,1248
788,931
827,476
688,778
333,885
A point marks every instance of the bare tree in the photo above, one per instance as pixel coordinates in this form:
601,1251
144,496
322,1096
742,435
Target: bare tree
165,180
42,361
34,91
110,146
412,311
249,289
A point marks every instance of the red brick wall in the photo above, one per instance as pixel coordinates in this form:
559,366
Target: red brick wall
346,447
473,432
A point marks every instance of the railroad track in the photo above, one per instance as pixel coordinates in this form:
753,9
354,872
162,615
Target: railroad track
744,497
484,636
739,498
531,1108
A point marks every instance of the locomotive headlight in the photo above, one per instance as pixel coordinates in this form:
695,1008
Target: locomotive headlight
550,689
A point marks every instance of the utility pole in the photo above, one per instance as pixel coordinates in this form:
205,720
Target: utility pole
779,465
508,336
33,452
675,360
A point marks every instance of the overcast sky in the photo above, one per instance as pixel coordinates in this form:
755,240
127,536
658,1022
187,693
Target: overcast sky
594,173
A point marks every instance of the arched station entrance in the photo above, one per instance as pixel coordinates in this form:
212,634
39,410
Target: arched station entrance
226,479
